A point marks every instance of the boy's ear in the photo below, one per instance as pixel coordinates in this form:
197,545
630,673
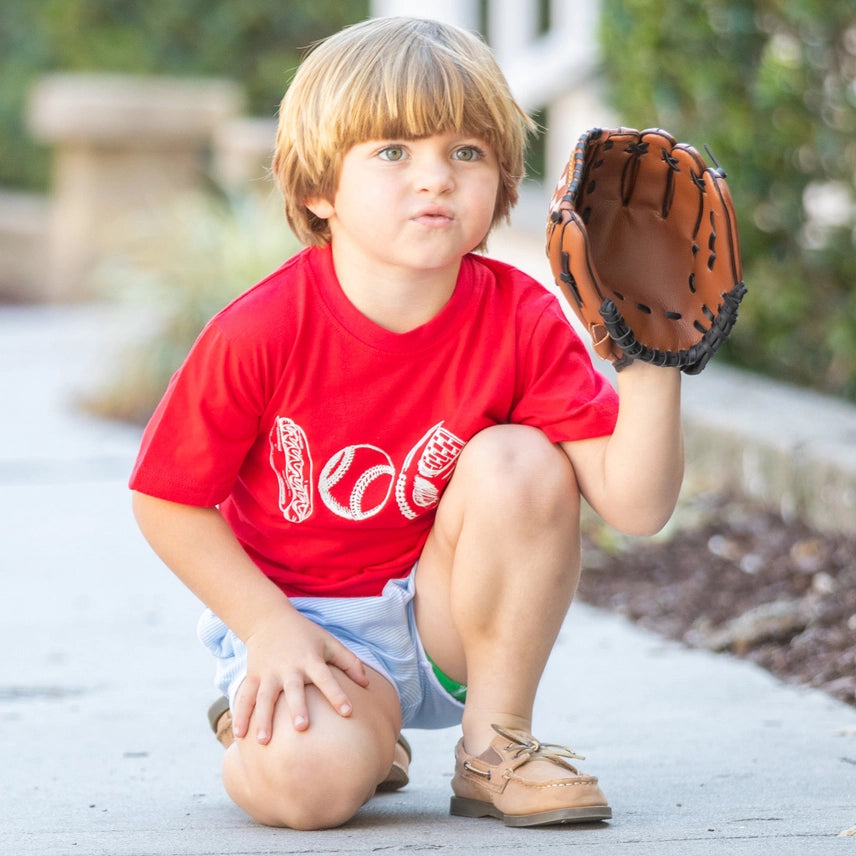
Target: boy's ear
320,207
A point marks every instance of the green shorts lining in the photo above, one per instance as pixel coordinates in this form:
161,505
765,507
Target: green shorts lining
453,688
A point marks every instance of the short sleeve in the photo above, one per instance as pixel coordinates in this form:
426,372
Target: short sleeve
199,435
560,391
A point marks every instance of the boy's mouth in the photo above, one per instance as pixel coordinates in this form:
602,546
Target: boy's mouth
434,215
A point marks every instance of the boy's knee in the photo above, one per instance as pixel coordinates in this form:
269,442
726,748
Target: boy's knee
299,789
519,463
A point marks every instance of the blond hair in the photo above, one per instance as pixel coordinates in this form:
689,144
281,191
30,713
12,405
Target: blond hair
391,78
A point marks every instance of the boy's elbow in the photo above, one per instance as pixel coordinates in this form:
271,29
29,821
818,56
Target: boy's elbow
642,519
645,525
649,516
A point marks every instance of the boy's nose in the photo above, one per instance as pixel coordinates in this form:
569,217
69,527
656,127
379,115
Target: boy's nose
434,176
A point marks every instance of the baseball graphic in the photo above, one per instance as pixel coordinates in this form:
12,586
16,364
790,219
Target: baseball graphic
357,481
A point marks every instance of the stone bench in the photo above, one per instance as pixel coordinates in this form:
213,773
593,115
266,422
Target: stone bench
122,146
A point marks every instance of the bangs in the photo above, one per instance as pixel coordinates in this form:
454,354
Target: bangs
422,91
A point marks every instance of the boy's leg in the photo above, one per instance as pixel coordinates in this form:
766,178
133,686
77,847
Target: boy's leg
320,777
495,581
498,573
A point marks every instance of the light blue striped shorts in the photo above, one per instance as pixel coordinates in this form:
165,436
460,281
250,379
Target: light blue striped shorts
381,631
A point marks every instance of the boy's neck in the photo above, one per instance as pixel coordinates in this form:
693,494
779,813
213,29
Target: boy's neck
396,299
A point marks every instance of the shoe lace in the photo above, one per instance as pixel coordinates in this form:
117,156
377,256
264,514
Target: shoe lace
523,743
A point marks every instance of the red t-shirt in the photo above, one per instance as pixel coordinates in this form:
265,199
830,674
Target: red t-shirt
326,440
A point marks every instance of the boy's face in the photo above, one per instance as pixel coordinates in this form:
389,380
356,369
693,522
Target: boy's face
413,205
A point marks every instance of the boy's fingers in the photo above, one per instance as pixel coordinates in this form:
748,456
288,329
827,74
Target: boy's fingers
357,673
331,690
352,666
263,714
245,702
295,697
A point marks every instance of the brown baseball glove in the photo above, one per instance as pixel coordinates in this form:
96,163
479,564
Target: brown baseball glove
642,241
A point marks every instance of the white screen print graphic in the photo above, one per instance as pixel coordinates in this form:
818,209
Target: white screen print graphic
426,470
290,459
357,482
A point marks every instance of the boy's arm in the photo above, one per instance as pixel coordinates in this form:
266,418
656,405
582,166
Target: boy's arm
285,651
632,477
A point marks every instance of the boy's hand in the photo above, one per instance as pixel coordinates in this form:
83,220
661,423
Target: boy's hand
284,655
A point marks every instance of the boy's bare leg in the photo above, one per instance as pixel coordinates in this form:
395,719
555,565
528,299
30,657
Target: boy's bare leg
498,574
320,777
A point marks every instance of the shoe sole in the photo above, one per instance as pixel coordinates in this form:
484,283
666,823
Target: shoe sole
396,779
461,807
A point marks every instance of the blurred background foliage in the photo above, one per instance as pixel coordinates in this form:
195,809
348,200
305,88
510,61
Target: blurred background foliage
256,42
178,270
770,86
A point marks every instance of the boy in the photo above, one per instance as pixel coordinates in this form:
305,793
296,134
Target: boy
370,466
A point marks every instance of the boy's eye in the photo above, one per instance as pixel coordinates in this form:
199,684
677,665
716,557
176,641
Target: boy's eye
468,153
392,153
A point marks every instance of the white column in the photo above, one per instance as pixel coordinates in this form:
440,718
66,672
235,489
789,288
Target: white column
581,104
568,116
564,12
463,13
512,26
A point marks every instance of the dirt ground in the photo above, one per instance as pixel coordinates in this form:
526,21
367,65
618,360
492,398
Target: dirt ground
732,577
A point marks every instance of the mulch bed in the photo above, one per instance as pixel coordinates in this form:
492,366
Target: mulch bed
733,577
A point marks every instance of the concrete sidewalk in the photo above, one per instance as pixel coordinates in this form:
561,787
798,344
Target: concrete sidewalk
105,748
